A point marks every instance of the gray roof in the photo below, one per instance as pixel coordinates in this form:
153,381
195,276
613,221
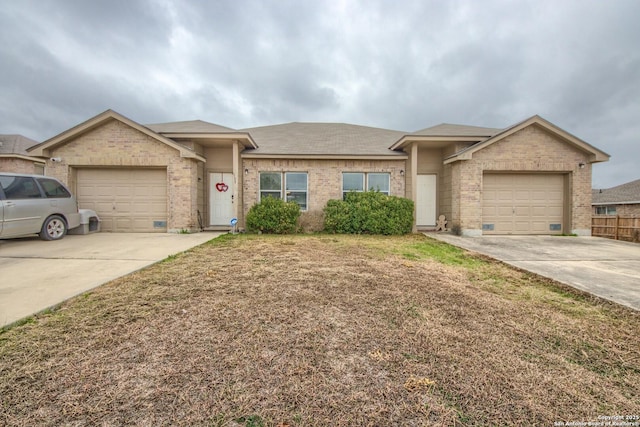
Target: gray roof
338,139
191,126
447,129
15,144
622,194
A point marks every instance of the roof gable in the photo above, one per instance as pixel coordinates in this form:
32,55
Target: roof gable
596,155
202,131
445,133
44,148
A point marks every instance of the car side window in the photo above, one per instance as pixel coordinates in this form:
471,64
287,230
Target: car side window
19,187
53,189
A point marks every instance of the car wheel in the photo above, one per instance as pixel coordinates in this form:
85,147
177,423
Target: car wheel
54,228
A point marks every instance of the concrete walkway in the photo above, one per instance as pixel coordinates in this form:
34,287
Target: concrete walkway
607,268
35,275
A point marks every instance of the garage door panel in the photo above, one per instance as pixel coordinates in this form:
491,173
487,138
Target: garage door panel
526,203
100,206
539,226
556,212
103,190
539,211
125,191
489,211
139,223
505,195
123,224
126,200
556,196
124,208
521,211
539,195
505,210
491,195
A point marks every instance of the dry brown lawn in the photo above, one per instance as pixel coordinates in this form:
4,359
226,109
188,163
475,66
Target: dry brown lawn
323,330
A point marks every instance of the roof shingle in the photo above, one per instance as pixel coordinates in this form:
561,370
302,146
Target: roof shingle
624,193
15,144
324,139
447,129
191,126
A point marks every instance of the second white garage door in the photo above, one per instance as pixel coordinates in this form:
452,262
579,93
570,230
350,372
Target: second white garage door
522,204
126,200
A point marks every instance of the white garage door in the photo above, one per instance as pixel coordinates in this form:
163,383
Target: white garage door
522,204
126,200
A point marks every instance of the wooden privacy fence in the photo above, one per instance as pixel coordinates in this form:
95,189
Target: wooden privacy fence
616,227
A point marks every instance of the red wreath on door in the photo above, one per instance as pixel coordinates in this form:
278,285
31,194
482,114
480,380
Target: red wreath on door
222,187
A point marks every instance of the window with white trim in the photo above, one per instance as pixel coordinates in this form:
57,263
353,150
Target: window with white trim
290,186
359,181
606,210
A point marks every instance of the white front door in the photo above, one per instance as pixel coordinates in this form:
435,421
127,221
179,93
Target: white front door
426,203
220,198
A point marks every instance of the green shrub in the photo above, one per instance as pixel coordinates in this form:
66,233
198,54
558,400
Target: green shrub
369,212
273,215
337,217
311,221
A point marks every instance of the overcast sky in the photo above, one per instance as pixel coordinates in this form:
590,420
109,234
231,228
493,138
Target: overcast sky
397,64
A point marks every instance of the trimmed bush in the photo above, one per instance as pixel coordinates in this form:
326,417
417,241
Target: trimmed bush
274,216
369,212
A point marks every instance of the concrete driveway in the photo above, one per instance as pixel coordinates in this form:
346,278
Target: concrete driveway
35,275
607,268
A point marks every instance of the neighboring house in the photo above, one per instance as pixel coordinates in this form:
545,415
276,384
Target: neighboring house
529,178
14,156
623,200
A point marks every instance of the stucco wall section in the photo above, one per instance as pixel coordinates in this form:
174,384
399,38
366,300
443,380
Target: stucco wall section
529,150
219,159
115,144
324,178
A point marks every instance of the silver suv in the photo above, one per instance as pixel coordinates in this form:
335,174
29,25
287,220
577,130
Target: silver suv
36,204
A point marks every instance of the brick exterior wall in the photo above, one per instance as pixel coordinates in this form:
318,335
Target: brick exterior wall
115,144
18,165
531,149
460,184
324,179
446,205
628,210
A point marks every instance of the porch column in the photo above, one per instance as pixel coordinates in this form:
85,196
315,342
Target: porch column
236,178
414,183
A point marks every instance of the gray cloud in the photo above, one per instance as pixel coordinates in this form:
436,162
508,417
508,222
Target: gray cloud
404,65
